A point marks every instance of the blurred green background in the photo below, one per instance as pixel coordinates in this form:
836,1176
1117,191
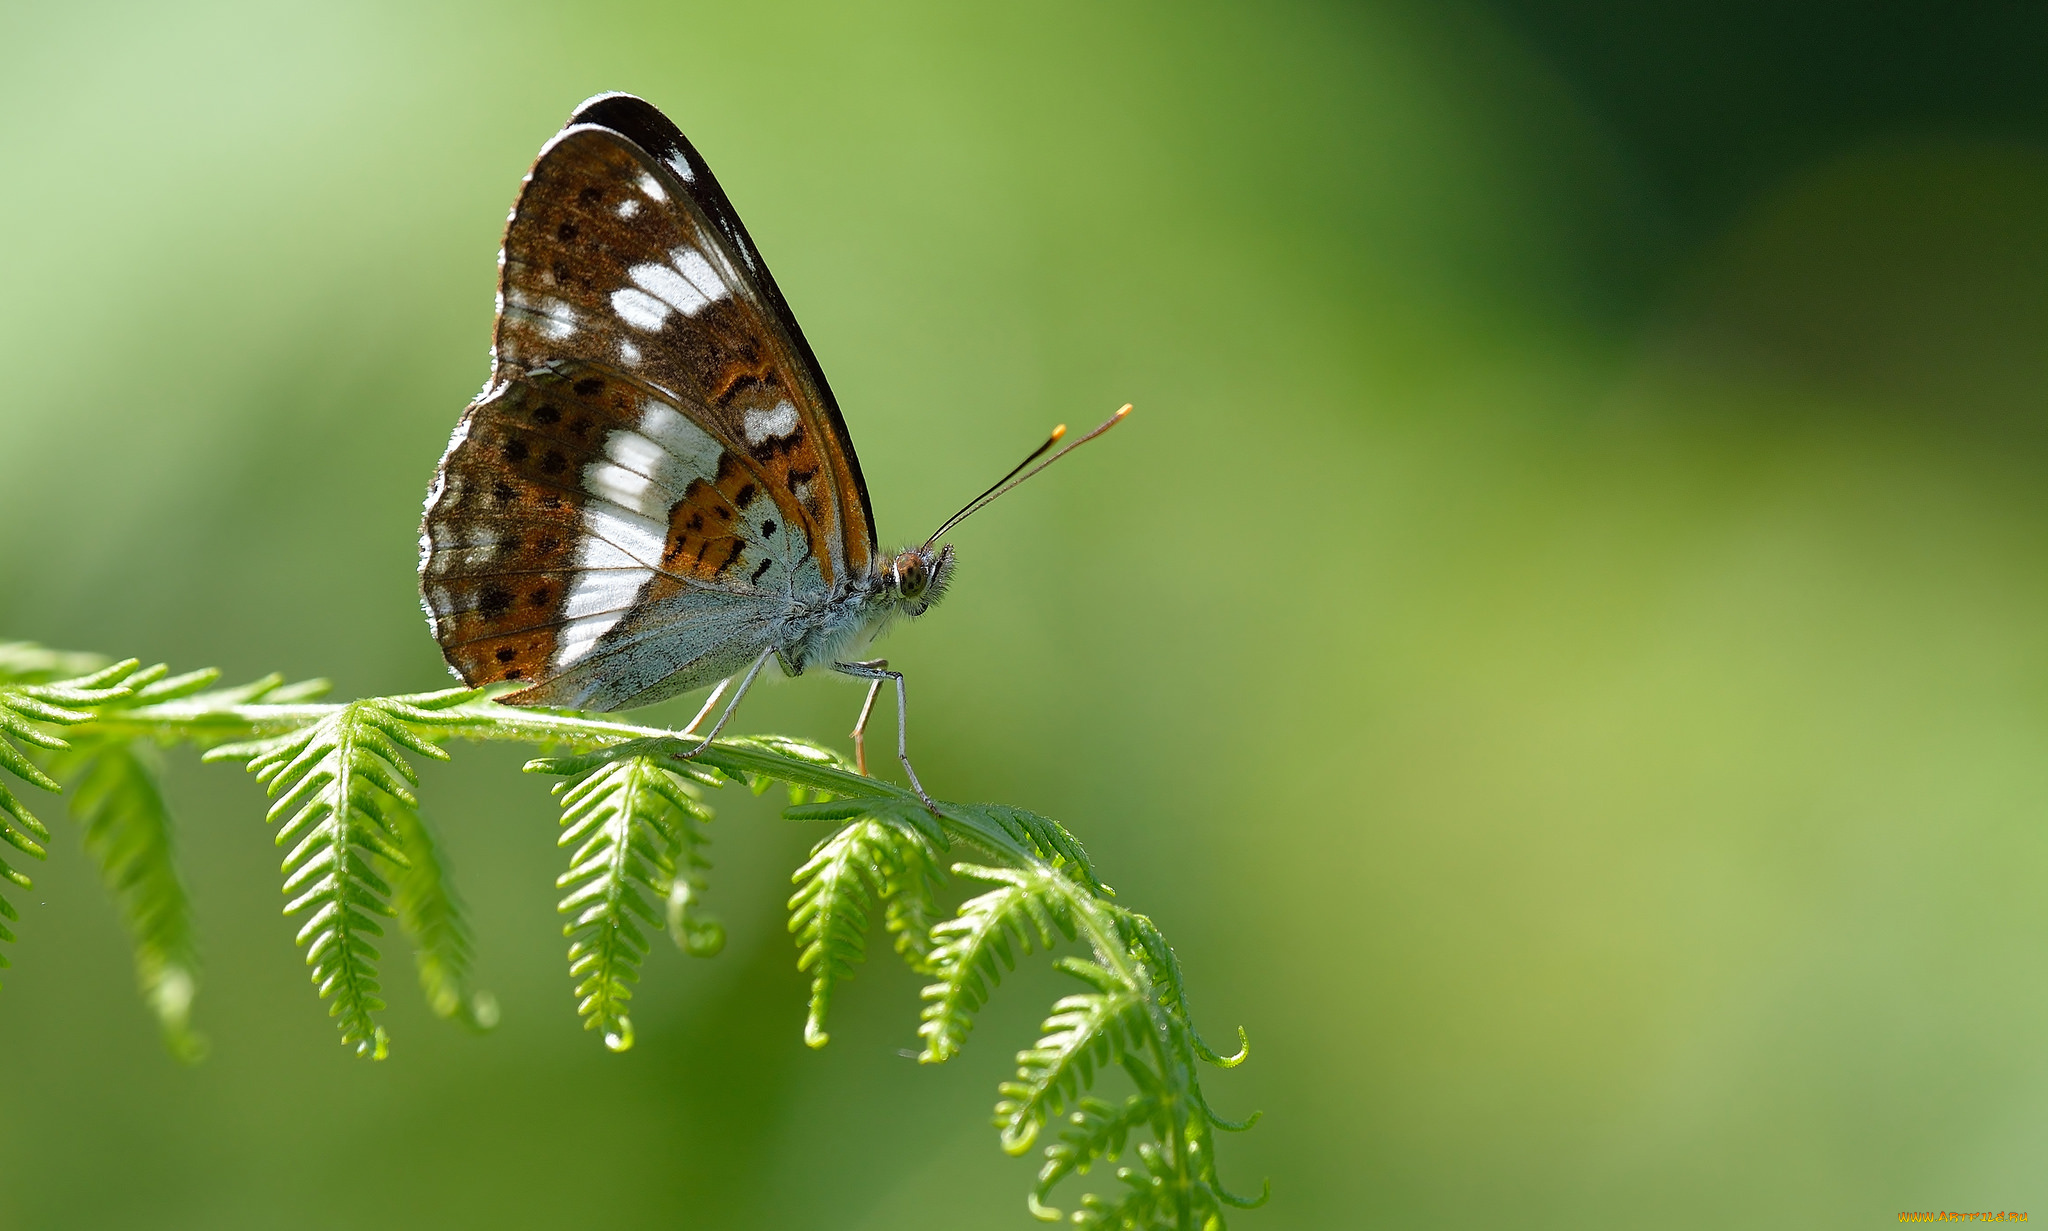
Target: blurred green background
1562,648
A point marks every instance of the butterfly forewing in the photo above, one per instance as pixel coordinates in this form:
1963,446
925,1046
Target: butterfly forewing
657,472
646,127
608,258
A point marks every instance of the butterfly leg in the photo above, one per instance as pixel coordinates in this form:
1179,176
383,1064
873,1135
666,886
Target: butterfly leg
878,671
730,706
708,703
860,725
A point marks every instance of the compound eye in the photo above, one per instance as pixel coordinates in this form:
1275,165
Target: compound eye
911,576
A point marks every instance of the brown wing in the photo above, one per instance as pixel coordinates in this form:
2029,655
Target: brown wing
611,257
586,536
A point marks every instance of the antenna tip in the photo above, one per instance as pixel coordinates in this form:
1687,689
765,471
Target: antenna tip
1121,413
1058,432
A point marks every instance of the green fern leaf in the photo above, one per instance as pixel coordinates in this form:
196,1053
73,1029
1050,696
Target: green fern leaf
342,787
1148,1200
636,821
1085,1031
880,856
694,932
1162,966
1097,1132
911,906
432,915
972,950
829,912
25,708
336,784
1036,833
118,802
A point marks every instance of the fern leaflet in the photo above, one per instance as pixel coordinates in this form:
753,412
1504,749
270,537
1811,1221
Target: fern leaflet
119,803
432,915
972,950
1097,1131
1151,1201
638,822
338,782
1085,1030
25,708
879,857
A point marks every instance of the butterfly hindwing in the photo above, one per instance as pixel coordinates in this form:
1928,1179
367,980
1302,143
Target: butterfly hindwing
585,535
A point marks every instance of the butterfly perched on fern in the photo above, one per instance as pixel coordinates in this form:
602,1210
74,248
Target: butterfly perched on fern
656,490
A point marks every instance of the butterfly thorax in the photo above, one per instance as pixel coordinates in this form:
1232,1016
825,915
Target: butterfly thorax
904,584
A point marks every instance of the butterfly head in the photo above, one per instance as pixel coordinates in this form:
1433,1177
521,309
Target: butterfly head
916,577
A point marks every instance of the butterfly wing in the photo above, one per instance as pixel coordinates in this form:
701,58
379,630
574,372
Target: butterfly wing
640,122
585,535
657,473
611,255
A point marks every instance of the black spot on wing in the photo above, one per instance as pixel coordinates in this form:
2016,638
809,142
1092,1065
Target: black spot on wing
732,557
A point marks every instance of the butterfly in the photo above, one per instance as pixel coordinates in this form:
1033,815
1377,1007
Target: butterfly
656,490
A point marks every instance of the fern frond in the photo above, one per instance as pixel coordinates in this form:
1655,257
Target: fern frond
911,906
636,820
117,800
877,857
1170,986
343,791
25,708
432,915
1157,1197
1044,835
829,912
337,784
1085,1031
1148,1202
1097,1131
971,951
694,932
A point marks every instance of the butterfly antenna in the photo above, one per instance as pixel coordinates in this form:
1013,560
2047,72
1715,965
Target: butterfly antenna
1024,470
